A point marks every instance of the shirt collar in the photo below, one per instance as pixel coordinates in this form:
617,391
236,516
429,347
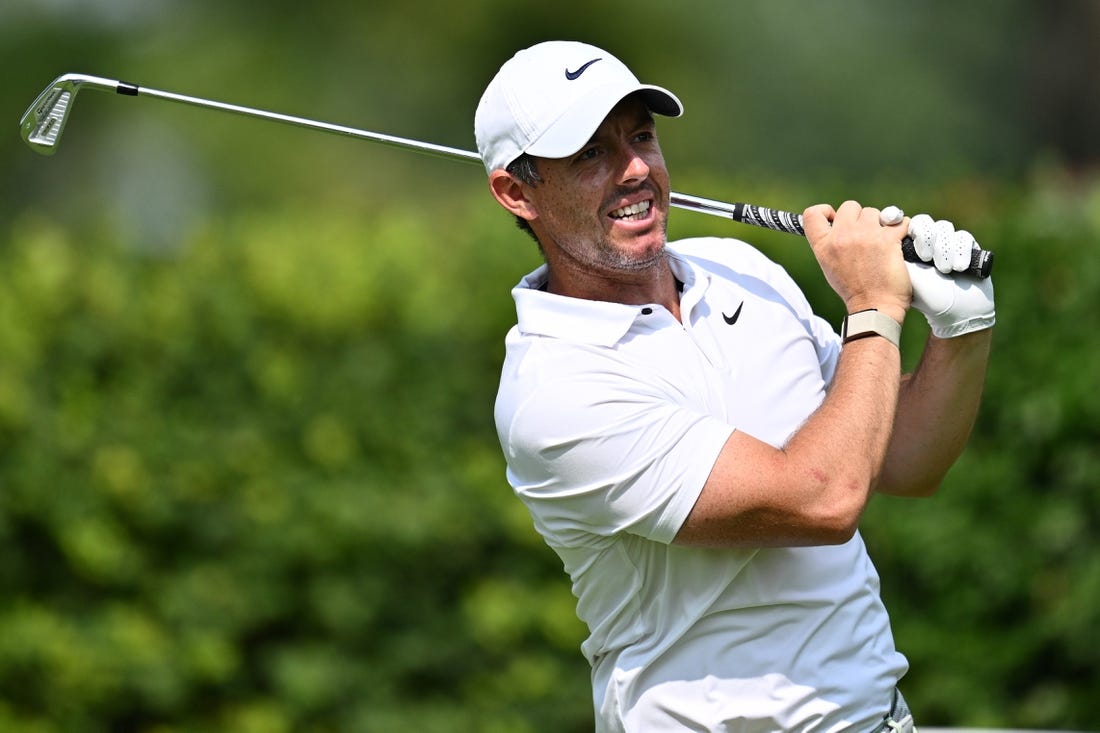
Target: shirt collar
595,322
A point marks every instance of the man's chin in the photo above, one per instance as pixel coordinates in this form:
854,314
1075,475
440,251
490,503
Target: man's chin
643,259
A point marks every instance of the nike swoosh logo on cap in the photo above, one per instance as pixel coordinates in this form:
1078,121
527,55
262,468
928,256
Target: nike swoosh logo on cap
573,75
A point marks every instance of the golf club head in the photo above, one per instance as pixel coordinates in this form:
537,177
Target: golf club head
44,121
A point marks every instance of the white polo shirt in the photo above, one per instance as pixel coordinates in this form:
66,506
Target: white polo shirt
611,417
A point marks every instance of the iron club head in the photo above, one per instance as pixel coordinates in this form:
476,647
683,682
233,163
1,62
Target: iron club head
44,121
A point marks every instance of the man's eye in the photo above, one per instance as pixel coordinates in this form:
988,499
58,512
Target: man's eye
588,153
645,137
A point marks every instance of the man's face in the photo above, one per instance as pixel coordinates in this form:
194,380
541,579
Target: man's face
606,207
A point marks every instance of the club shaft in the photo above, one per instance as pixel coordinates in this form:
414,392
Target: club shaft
390,140
683,201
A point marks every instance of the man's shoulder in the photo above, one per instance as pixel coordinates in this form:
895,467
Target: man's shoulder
729,258
722,251
740,263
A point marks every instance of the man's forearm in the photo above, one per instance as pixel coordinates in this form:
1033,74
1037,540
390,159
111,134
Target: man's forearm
813,490
937,406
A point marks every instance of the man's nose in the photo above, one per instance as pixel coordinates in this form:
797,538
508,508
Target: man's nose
634,167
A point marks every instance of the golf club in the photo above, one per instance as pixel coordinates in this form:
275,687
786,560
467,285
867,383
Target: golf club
44,121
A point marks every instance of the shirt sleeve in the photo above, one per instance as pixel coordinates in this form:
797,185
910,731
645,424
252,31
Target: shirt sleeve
595,456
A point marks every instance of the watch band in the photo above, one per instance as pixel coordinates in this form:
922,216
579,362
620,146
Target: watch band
870,323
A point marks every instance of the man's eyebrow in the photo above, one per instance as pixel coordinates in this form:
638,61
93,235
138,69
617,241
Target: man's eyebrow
645,118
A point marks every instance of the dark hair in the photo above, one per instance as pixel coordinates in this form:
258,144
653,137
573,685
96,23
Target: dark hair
525,169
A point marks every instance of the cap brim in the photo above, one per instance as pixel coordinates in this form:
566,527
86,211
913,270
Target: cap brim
579,123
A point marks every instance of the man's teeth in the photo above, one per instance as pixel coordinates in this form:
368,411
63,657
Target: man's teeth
634,211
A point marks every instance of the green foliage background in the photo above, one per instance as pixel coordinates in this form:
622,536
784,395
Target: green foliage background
248,475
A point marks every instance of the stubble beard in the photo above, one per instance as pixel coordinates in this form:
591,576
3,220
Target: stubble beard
607,256
602,255
631,262
616,259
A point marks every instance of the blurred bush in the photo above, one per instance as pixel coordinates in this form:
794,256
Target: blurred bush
252,483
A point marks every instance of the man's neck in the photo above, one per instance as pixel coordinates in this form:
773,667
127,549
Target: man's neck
653,285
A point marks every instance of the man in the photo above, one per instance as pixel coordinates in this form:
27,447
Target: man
695,444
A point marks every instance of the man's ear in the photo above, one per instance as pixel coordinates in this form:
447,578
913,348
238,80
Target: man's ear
510,193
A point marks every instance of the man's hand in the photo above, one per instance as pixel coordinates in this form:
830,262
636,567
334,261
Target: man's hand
953,304
939,243
861,258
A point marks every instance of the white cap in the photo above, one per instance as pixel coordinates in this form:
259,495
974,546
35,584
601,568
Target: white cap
549,99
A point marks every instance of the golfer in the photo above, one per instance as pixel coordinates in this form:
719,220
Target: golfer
695,444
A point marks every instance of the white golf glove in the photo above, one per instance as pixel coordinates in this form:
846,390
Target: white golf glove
953,304
938,242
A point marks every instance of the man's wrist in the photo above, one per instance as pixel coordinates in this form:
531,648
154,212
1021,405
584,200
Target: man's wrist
870,322
887,306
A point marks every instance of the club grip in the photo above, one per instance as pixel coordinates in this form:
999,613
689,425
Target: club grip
981,260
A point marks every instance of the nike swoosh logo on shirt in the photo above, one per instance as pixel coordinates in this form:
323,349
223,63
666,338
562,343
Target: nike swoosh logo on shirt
736,314
573,75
